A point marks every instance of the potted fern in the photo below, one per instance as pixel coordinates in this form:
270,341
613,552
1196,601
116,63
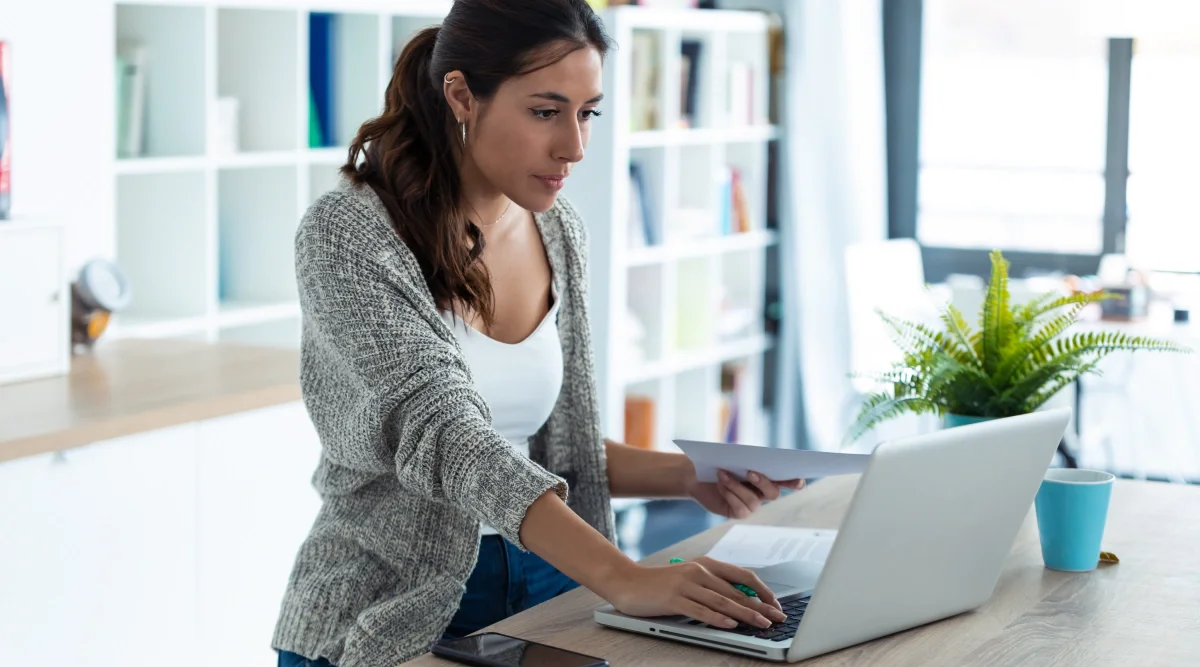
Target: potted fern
1016,361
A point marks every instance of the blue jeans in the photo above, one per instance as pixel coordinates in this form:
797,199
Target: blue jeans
505,581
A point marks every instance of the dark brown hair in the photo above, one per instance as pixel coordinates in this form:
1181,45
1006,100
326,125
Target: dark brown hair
410,153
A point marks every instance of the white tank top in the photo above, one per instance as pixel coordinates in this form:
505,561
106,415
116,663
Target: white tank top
520,382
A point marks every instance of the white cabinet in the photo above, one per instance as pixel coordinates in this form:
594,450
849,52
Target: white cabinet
34,303
257,504
99,553
171,547
38,533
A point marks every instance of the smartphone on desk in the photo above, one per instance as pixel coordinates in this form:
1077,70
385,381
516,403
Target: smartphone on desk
492,649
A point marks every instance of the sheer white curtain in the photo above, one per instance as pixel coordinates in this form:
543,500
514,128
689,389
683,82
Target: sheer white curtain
834,185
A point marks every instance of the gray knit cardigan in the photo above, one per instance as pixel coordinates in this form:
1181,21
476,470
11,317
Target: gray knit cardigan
410,463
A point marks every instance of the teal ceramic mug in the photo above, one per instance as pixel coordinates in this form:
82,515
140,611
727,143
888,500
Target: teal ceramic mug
1072,508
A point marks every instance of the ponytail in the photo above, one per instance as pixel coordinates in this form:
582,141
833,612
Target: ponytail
409,160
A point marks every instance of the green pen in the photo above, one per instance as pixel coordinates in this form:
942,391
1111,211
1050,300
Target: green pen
741,587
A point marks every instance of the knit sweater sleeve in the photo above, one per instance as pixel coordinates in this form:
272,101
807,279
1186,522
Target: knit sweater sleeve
375,341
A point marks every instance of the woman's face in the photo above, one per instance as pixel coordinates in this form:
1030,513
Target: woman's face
529,135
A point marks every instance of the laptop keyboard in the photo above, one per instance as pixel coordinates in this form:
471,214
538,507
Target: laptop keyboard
793,605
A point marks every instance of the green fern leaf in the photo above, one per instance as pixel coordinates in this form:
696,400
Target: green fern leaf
1026,348
879,408
958,327
997,321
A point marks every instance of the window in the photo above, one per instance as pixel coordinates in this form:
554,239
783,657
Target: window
1041,128
1163,230
1013,106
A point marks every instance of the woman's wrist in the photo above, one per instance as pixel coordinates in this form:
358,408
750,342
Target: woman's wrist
684,475
611,575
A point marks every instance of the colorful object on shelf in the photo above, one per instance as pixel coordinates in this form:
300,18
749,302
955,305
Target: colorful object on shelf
322,29
315,138
5,131
100,290
733,207
641,209
639,421
689,81
131,63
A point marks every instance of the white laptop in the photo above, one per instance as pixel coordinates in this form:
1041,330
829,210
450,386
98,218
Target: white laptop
925,537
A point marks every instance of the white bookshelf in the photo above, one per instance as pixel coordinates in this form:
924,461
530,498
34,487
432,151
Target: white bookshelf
698,297
206,236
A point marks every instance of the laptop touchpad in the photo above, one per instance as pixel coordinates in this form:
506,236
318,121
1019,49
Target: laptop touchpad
798,575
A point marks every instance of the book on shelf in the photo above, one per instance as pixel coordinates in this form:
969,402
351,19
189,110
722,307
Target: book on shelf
643,103
322,47
732,380
740,207
131,61
641,209
6,68
733,209
689,81
639,421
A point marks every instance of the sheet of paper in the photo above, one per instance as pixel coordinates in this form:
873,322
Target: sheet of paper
761,546
769,461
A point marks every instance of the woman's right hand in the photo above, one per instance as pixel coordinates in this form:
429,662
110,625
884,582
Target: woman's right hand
701,589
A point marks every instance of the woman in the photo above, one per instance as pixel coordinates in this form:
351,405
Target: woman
447,364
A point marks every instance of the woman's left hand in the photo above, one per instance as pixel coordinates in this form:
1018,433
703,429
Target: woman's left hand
737,499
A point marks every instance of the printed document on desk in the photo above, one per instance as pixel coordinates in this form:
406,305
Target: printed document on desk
776,464
763,546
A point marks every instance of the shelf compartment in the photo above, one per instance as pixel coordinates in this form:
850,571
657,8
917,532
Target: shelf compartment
739,411
696,404
749,160
695,212
647,197
171,42
706,48
643,327
257,63
344,73
693,305
650,106
740,295
162,245
746,66
257,211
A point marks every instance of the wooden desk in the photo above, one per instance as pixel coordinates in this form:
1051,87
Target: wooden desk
129,386
1144,611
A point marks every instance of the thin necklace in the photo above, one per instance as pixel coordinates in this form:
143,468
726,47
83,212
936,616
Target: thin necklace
501,215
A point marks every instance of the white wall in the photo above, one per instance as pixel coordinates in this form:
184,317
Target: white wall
63,118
